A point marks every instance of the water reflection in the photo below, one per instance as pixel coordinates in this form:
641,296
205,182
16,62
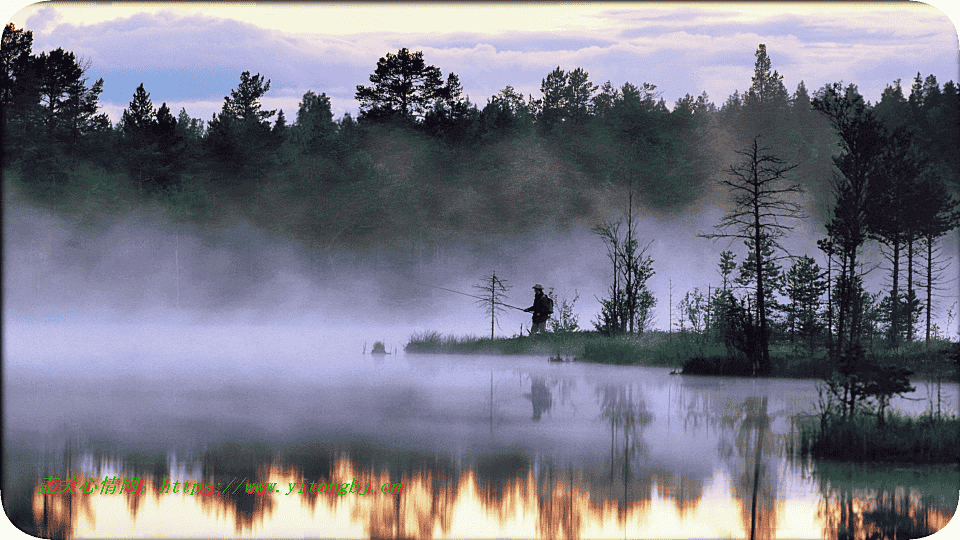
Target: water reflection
754,471
562,453
540,397
513,494
866,503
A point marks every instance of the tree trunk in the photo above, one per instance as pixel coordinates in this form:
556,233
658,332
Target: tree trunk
762,355
910,294
929,284
895,297
829,300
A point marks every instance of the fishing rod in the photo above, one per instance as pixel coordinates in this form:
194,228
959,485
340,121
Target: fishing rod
470,295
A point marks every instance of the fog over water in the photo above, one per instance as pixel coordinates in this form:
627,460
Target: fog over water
263,352
142,268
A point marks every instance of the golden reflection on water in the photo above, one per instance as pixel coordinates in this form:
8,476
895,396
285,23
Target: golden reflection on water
746,487
547,503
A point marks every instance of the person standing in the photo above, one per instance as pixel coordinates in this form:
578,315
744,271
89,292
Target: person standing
542,308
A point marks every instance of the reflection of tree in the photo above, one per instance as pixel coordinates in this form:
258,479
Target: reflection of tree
754,474
561,505
628,415
888,509
428,502
685,489
54,515
313,462
701,404
231,463
500,481
430,485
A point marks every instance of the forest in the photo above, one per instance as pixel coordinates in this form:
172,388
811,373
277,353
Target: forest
422,171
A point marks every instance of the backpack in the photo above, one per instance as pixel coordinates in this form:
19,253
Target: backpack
549,304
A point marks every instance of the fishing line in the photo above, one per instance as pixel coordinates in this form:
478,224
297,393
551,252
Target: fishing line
465,294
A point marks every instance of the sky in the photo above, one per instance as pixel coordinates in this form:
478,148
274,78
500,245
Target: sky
191,55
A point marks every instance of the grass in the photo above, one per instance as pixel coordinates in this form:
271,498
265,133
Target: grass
565,344
714,360
652,348
924,439
695,355
926,361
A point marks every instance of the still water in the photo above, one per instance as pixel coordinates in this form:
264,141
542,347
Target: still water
473,446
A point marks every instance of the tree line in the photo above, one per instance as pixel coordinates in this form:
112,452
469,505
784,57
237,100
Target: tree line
422,166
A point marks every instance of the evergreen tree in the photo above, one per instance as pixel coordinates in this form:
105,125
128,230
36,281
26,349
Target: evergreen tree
567,98
893,109
17,88
171,148
803,285
239,141
315,130
761,202
506,114
861,143
138,126
772,278
404,87
453,118
765,105
69,107
889,215
940,214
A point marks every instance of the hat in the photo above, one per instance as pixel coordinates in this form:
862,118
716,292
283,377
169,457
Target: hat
538,286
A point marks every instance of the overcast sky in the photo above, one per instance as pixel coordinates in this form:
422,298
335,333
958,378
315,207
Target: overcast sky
191,55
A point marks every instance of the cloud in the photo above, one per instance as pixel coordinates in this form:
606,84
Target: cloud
44,19
186,55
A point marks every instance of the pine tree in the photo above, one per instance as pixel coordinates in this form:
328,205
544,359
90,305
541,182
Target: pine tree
404,87
766,104
761,201
239,137
803,285
861,143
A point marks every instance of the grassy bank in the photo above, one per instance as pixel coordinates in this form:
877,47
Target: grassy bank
926,439
652,348
564,344
715,360
681,350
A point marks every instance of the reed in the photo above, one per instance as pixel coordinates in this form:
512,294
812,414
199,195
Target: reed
901,438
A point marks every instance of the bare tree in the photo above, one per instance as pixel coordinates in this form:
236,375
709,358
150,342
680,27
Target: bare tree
493,290
630,305
761,201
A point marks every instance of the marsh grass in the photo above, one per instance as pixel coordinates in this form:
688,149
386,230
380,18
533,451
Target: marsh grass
925,360
924,439
564,344
686,350
652,348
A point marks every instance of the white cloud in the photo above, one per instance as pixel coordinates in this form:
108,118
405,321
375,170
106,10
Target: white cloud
332,48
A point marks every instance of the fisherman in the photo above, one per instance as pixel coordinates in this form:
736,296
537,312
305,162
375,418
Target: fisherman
542,308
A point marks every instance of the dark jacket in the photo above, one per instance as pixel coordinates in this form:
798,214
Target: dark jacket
540,308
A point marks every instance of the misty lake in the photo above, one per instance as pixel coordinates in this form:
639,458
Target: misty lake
483,446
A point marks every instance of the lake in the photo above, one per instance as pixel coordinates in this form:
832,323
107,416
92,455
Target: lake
479,446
